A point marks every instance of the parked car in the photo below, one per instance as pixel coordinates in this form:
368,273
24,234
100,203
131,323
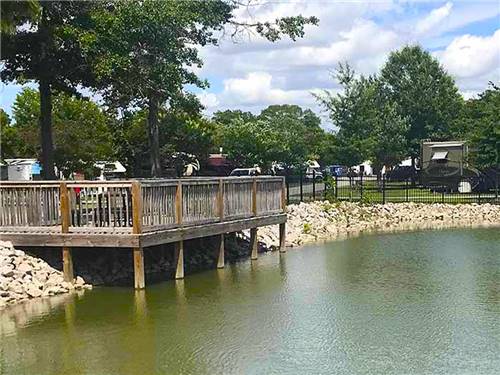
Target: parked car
336,170
245,172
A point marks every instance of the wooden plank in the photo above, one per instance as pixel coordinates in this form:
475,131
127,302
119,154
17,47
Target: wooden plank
185,233
139,282
179,259
220,257
71,239
220,200
282,237
254,244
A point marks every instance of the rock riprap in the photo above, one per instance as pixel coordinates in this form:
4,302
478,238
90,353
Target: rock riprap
322,220
23,277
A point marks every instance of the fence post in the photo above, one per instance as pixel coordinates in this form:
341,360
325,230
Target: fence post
301,191
383,189
336,187
479,196
361,187
314,185
65,222
442,194
139,282
406,192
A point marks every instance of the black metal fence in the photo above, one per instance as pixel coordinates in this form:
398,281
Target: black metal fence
370,189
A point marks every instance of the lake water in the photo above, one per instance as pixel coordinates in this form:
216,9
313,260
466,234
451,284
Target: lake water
409,303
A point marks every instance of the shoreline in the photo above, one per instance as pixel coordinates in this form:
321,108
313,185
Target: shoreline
322,221
24,277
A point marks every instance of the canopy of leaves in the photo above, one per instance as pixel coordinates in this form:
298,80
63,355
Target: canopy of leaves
146,48
81,128
180,131
481,120
47,46
280,133
425,94
369,125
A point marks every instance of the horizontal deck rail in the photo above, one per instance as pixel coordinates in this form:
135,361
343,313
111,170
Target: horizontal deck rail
108,207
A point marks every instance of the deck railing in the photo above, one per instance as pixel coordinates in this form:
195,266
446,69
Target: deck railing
107,206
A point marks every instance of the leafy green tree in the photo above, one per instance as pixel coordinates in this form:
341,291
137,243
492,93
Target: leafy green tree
9,138
46,50
144,52
15,13
227,116
482,122
180,131
280,133
425,94
369,125
81,129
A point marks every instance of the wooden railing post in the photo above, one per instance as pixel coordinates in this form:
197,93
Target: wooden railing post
139,282
178,203
65,222
283,195
220,199
254,197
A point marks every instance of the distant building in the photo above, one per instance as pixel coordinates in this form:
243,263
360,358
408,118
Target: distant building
23,169
110,170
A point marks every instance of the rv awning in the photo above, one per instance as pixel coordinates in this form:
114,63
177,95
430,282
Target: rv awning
440,155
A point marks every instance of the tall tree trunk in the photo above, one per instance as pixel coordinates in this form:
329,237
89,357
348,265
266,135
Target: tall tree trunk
154,137
46,130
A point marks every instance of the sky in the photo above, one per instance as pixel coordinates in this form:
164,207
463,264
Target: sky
251,73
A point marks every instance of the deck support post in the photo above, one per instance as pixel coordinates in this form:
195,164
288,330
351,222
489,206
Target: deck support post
282,237
179,260
67,264
139,282
220,258
253,243
65,223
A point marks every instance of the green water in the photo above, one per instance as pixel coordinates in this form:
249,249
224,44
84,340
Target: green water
411,303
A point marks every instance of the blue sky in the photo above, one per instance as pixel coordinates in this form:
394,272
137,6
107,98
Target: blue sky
252,73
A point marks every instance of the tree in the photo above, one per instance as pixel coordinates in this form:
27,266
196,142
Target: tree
369,125
16,13
45,49
425,94
280,133
81,128
481,120
10,142
144,52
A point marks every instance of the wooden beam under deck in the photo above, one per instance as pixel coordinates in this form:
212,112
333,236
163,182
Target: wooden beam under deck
143,240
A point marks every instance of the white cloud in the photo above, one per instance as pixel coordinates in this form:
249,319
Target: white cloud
435,17
472,56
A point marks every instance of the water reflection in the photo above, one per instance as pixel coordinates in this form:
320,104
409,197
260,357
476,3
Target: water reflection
423,302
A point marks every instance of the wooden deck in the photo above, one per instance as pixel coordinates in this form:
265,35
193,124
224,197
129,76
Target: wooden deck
138,213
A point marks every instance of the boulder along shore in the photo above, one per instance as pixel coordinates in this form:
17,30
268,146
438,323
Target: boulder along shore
323,221
23,277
